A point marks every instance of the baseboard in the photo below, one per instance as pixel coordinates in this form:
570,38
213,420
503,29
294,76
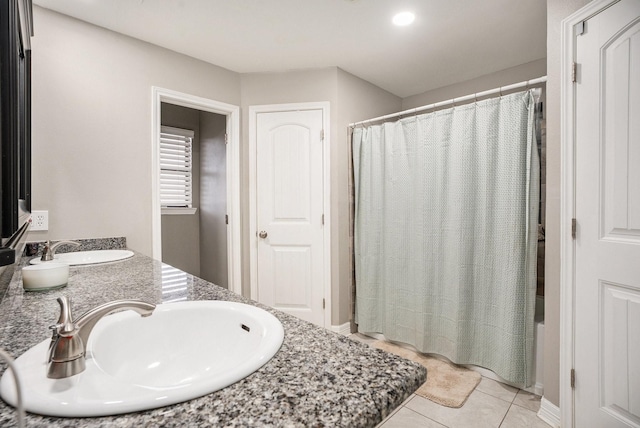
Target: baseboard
344,329
537,389
549,412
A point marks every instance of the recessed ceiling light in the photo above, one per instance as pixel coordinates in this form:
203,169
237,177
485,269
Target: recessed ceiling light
403,18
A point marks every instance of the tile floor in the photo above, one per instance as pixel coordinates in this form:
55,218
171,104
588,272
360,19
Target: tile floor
491,405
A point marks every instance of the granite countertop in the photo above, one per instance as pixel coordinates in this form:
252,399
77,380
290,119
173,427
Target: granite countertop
318,378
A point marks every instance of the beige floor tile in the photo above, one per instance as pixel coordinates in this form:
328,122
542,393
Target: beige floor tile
527,400
480,411
407,418
497,389
519,417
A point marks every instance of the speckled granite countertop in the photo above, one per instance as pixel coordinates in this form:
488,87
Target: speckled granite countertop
317,379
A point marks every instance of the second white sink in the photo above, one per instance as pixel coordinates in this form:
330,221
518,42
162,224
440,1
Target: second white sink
88,257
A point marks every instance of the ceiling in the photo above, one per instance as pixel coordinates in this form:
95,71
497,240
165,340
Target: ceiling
450,41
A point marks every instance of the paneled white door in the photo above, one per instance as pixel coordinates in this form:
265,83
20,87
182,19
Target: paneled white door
289,212
607,257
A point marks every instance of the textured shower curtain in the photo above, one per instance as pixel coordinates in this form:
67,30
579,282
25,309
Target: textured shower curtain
446,211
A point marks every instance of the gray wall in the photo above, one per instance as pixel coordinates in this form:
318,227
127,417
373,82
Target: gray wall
181,233
91,125
92,112
278,88
351,99
528,71
213,199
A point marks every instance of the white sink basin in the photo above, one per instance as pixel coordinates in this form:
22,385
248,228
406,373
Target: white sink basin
87,257
182,351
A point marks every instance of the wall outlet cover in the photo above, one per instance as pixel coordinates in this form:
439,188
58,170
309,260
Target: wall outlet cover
39,220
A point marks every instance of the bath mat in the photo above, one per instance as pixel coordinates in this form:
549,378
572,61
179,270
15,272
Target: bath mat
447,384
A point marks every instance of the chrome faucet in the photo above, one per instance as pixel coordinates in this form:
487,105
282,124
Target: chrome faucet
50,250
68,343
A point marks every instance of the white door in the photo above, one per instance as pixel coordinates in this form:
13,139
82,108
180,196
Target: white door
607,269
289,212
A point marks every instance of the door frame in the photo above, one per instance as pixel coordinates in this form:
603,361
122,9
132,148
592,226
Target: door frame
326,172
568,150
232,113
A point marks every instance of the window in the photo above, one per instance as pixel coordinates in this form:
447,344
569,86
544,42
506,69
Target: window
176,170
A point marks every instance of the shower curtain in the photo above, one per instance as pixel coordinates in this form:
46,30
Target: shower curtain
445,233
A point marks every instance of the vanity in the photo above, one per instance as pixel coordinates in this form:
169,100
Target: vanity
317,378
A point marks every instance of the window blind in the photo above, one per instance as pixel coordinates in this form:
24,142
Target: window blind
176,167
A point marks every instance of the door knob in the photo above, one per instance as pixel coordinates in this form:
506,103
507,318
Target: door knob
262,234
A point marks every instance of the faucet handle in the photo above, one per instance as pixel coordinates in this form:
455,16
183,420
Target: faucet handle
56,328
65,325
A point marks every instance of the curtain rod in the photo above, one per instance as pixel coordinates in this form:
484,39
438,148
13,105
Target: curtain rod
469,97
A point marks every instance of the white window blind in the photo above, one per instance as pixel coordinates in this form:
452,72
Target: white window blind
176,167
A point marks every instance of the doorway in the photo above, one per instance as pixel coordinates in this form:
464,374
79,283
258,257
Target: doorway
213,116
193,154
289,213
600,290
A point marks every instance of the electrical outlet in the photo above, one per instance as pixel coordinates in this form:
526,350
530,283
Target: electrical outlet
39,220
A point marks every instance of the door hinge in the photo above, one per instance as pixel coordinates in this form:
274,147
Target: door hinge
226,138
323,219
322,135
574,226
574,72
323,303
579,28
573,378
226,219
